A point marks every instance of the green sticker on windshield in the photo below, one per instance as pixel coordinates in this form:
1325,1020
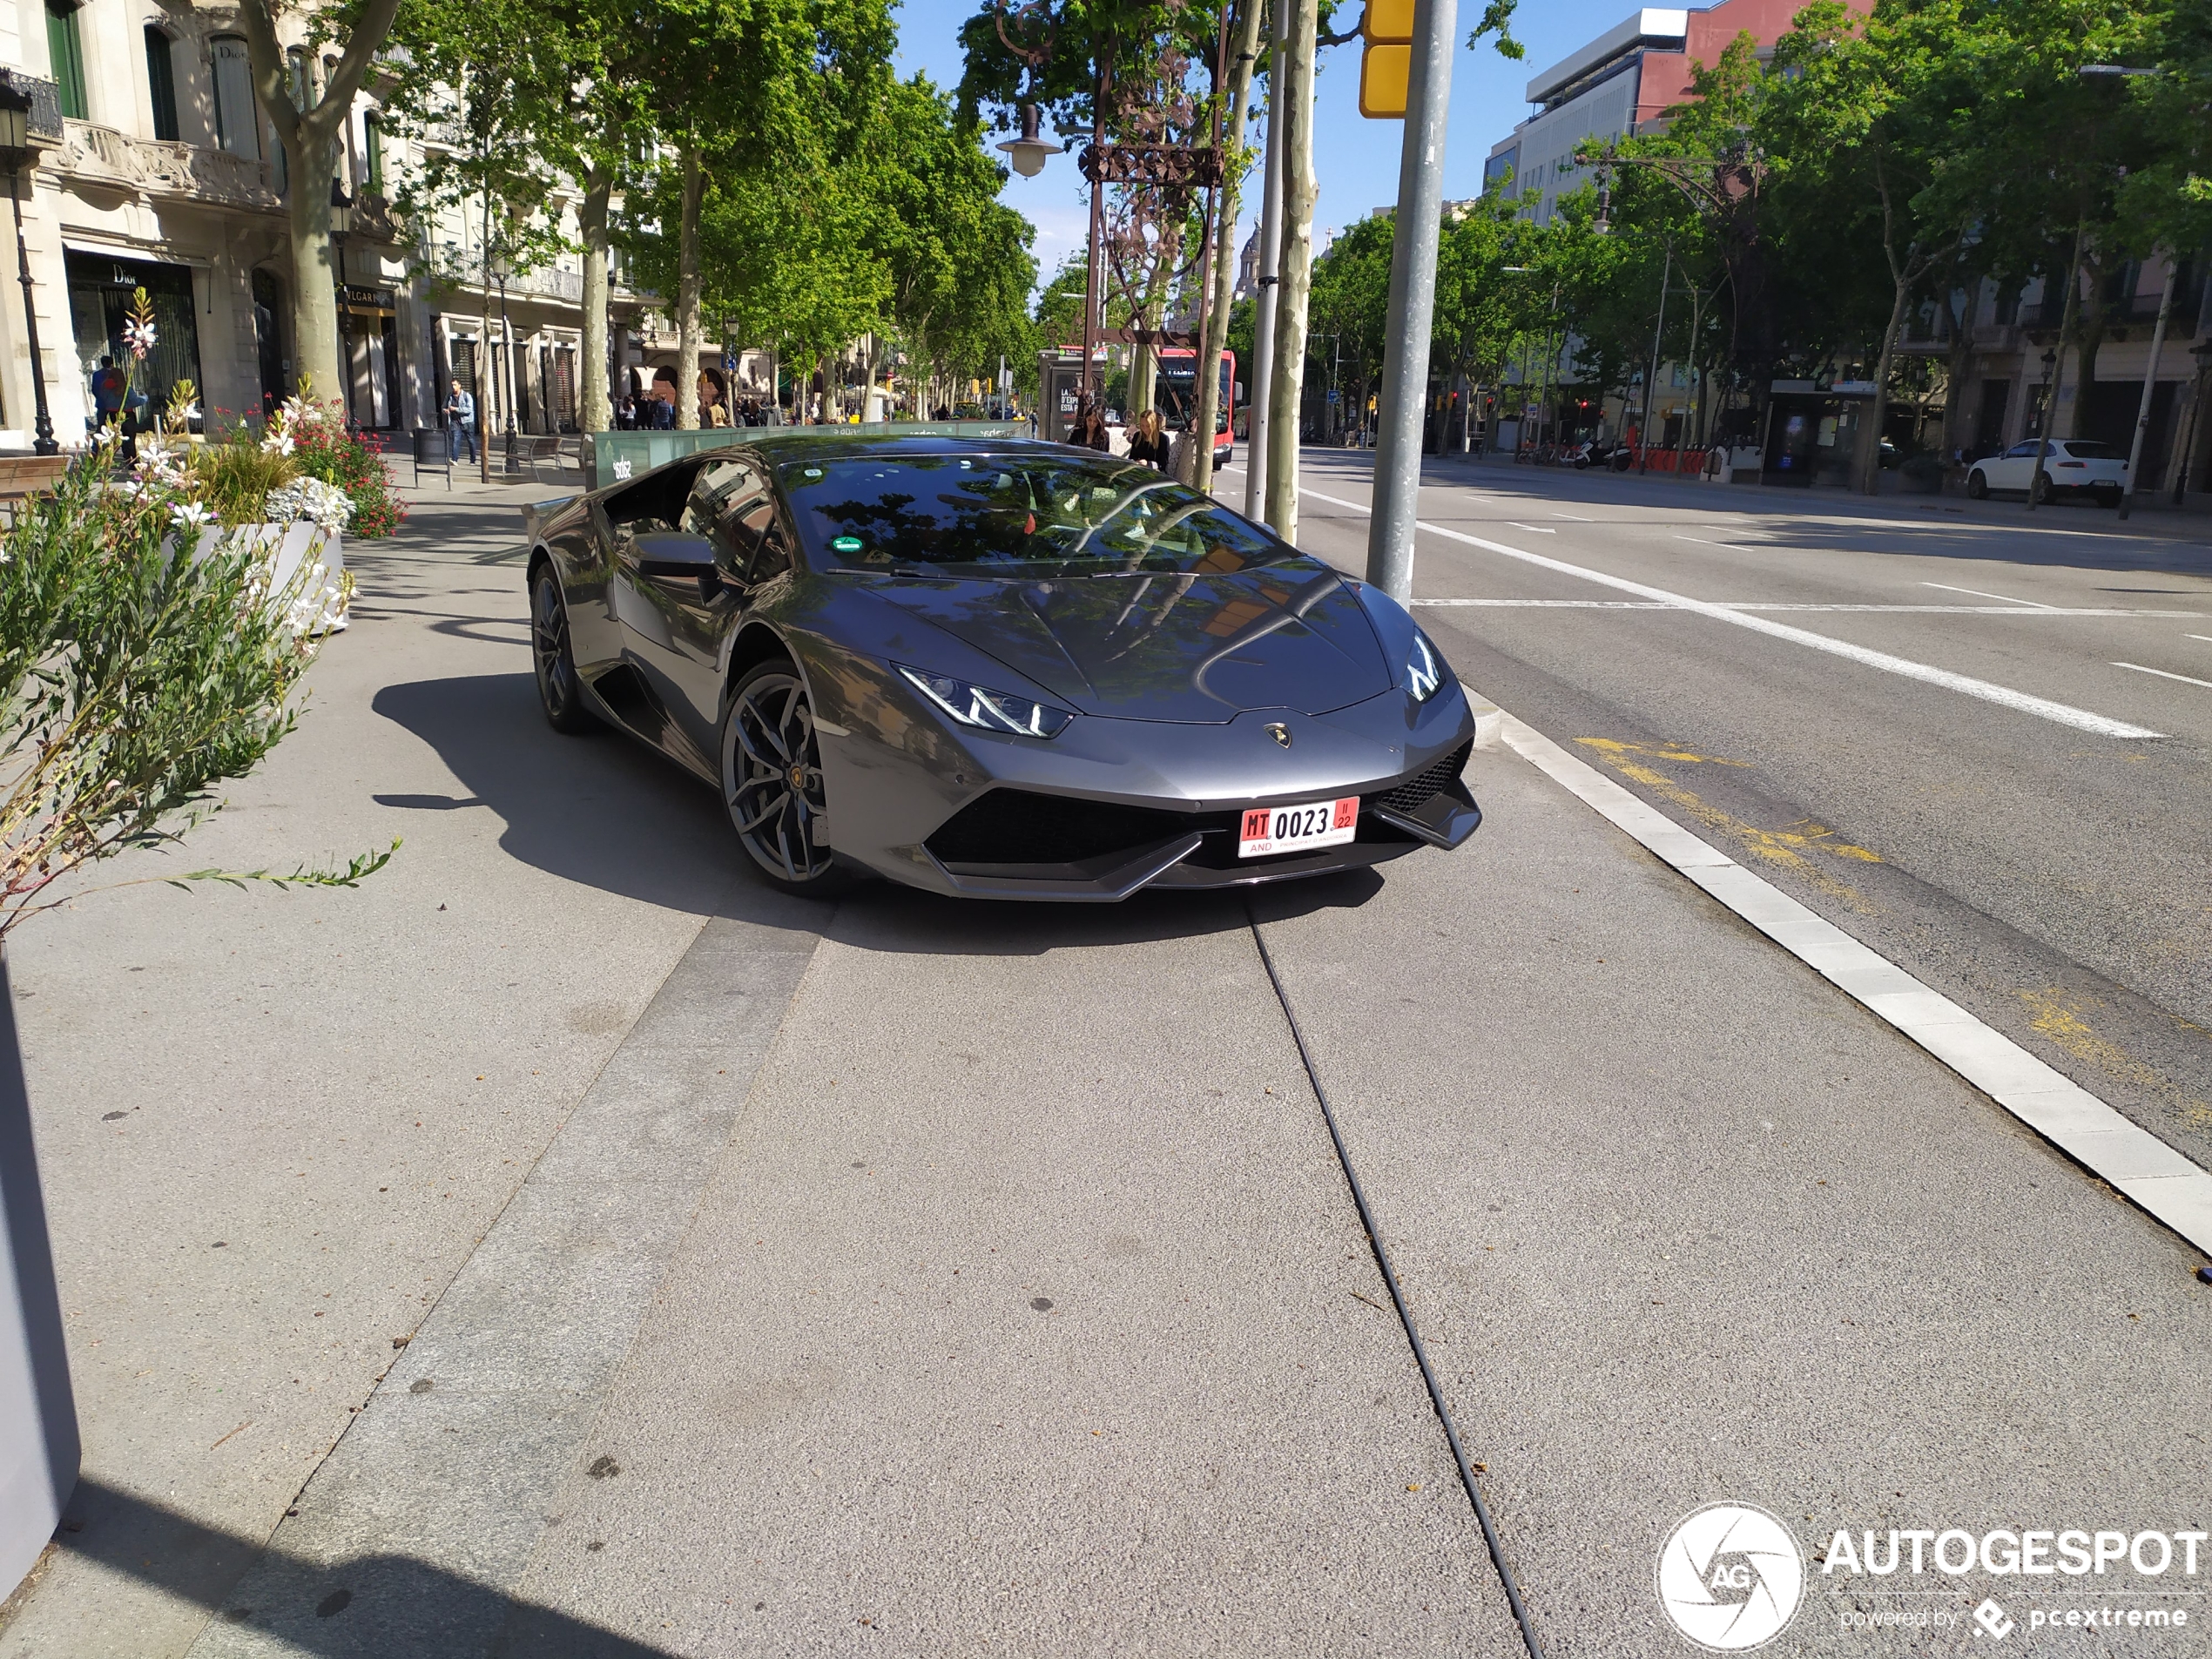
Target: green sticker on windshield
846,545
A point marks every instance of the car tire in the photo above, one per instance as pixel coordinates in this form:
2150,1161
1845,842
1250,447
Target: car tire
771,780
560,688
2109,498
2041,492
1977,485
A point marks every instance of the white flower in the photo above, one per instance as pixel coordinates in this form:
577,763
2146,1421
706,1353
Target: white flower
278,443
189,515
312,499
139,337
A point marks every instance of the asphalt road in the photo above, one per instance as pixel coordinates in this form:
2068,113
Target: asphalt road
2050,878
559,1247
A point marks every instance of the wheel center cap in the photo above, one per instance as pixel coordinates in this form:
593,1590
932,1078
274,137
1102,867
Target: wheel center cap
799,777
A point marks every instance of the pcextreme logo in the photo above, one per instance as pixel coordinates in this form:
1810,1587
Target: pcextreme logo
1731,1576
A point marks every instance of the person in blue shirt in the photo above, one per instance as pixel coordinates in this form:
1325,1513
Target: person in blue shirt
110,385
460,423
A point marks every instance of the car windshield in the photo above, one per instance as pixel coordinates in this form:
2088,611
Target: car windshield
2081,451
1022,515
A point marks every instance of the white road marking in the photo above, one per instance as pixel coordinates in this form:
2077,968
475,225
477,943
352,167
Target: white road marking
1541,530
1577,518
1839,606
2207,638
2133,1161
1979,594
2163,675
2081,719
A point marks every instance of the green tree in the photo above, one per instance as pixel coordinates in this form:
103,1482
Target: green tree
307,106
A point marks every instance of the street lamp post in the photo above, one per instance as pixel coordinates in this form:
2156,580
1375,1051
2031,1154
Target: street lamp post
507,358
14,155
2203,356
342,224
1651,381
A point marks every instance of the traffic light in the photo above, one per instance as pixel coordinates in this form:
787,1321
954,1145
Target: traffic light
1386,58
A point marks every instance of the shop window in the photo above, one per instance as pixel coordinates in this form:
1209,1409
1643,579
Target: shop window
66,48
161,84
237,128
100,291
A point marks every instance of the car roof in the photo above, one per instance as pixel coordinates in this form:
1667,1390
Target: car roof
813,442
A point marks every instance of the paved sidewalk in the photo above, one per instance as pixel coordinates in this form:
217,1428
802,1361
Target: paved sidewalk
272,1126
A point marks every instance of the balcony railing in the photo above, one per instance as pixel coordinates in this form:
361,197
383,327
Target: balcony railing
102,156
464,267
45,119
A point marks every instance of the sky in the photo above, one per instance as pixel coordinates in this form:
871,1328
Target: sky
1355,161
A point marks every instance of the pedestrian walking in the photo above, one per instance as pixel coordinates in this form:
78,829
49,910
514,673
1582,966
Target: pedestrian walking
461,422
110,386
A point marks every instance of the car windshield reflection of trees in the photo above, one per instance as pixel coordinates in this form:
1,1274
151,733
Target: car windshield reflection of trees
977,516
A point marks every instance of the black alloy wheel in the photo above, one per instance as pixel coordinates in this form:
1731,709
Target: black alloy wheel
772,779
559,687
2042,489
1977,485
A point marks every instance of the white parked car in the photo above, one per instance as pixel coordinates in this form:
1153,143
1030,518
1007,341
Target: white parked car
2073,466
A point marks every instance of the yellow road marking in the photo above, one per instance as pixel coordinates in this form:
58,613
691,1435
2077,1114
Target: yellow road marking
1785,847
1660,751
2058,1017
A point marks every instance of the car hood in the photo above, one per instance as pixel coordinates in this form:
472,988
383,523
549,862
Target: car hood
1202,647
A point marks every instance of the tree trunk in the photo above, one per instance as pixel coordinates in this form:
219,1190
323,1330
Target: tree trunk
1225,253
2085,373
687,294
1870,480
312,140
1296,270
2058,367
314,273
1960,361
598,398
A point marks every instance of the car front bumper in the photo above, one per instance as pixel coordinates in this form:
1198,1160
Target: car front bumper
1112,806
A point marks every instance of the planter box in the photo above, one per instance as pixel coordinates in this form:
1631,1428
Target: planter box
292,546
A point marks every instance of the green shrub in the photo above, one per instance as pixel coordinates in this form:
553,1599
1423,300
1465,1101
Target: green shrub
236,474
321,447
142,661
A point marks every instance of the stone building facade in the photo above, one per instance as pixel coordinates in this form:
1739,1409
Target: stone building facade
154,167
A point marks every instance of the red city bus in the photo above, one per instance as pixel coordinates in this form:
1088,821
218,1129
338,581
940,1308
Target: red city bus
1175,394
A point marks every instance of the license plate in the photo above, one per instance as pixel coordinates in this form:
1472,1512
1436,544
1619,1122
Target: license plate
1296,829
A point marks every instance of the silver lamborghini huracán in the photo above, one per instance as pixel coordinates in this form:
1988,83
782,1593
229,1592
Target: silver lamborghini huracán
997,668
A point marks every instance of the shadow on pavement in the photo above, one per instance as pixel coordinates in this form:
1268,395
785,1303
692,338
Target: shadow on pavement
598,810
364,1604
605,811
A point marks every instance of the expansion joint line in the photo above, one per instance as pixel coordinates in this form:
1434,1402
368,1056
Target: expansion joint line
1511,1585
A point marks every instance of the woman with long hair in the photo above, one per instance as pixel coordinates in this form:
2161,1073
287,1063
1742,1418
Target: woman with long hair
1150,445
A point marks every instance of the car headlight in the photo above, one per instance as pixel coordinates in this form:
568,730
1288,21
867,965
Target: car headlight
1424,669
986,710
